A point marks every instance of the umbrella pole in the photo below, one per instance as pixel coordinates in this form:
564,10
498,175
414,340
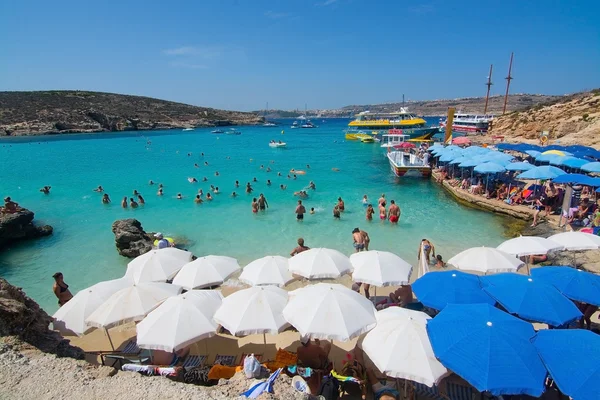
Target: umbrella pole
265,343
109,339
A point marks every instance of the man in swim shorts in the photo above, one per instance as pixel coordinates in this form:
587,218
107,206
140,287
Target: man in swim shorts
262,202
394,212
359,240
300,211
300,248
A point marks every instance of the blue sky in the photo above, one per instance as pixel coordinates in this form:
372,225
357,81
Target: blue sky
237,54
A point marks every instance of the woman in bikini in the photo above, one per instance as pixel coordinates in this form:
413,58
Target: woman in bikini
61,289
382,211
370,212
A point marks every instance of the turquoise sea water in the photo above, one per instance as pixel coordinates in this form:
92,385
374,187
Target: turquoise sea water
82,246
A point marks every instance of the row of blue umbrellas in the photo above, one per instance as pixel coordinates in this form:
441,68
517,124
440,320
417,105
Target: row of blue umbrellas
533,150
500,353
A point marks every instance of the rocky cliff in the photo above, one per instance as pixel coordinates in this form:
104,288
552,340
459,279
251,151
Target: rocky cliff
23,322
19,226
55,112
130,238
573,119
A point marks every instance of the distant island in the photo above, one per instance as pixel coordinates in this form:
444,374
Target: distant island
66,111
426,108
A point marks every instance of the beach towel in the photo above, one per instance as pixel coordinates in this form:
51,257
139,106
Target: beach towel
221,371
302,371
261,387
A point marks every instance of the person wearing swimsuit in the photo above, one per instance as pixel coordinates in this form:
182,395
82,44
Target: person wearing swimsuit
382,212
254,206
61,289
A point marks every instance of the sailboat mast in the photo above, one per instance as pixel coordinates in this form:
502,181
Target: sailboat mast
489,85
508,79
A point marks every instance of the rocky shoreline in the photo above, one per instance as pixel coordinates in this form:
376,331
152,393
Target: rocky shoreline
19,226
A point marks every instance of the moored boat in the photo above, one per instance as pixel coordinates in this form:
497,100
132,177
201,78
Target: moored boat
405,163
218,131
233,131
406,123
277,144
470,123
188,129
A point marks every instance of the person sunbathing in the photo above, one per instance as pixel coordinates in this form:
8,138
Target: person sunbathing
502,192
313,355
464,185
10,207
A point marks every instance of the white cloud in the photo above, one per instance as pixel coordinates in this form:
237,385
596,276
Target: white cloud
326,3
276,15
179,64
207,53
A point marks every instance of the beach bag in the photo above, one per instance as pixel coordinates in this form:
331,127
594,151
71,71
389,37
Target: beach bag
330,388
252,367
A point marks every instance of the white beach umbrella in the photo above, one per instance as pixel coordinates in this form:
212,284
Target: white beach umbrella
399,346
380,268
254,310
320,263
485,259
131,303
71,316
269,270
206,271
157,265
529,245
180,321
576,240
329,311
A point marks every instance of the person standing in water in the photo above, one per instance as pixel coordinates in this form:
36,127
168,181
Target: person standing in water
105,198
370,212
366,238
141,199
341,205
428,248
160,192
300,248
262,202
133,203
300,211
254,206
359,240
381,199
394,212
198,199
249,188
61,289
382,211
124,202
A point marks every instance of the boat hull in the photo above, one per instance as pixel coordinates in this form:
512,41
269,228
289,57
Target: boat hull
405,165
467,129
276,145
418,134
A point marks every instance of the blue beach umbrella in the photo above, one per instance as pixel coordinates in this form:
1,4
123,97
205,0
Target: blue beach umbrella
519,166
543,172
574,283
533,153
449,156
571,357
459,159
573,162
591,167
549,158
558,160
530,299
488,348
469,163
438,289
577,179
489,168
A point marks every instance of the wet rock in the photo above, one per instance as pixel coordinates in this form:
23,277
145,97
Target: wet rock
24,319
19,226
130,238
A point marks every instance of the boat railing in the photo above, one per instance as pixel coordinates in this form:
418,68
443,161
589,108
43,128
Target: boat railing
403,158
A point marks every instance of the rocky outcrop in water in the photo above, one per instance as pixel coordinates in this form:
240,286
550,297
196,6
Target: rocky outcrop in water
22,319
130,238
19,226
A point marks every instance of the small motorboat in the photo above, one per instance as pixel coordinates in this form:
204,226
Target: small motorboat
277,144
269,124
233,131
218,131
188,129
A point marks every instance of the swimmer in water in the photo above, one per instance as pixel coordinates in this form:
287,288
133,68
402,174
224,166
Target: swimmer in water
46,189
160,185
209,197
200,192
105,198
132,203
237,184
248,188
365,200
135,192
193,180
151,182
268,169
201,154
268,182
262,166
212,188
99,189
216,190
141,199
279,174
216,173
295,176
307,166
312,186
262,202
196,166
198,199
206,163
160,192
205,179
341,205
124,202
370,212
179,196
234,194
254,179
282,187
288,176
336,211
312,210
254,206
189,154
382,212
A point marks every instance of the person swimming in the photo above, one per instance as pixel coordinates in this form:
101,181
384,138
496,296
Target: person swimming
151,182
237,184
254,179
160,185
216,190
365,200
196,165
105,198
312,186
198,199
99,189
46,189
234,194
279,174
283,187
200,192
216,173
179,196
268,182
132,203
206,163
312,210
135,192
205,179
141,199
209,197
124,202
268,169
160,192
249,188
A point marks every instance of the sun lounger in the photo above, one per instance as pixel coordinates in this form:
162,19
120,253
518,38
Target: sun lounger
225,360
193,361
130,353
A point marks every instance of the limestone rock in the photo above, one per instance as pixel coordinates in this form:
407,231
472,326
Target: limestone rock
19,226
24,319
130,238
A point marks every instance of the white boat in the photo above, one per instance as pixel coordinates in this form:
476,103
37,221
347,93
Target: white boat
277,144
470,123
308,125
218,131
188,129
269,124
405,163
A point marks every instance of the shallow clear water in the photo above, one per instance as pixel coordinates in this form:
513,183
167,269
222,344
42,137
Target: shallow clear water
82,246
